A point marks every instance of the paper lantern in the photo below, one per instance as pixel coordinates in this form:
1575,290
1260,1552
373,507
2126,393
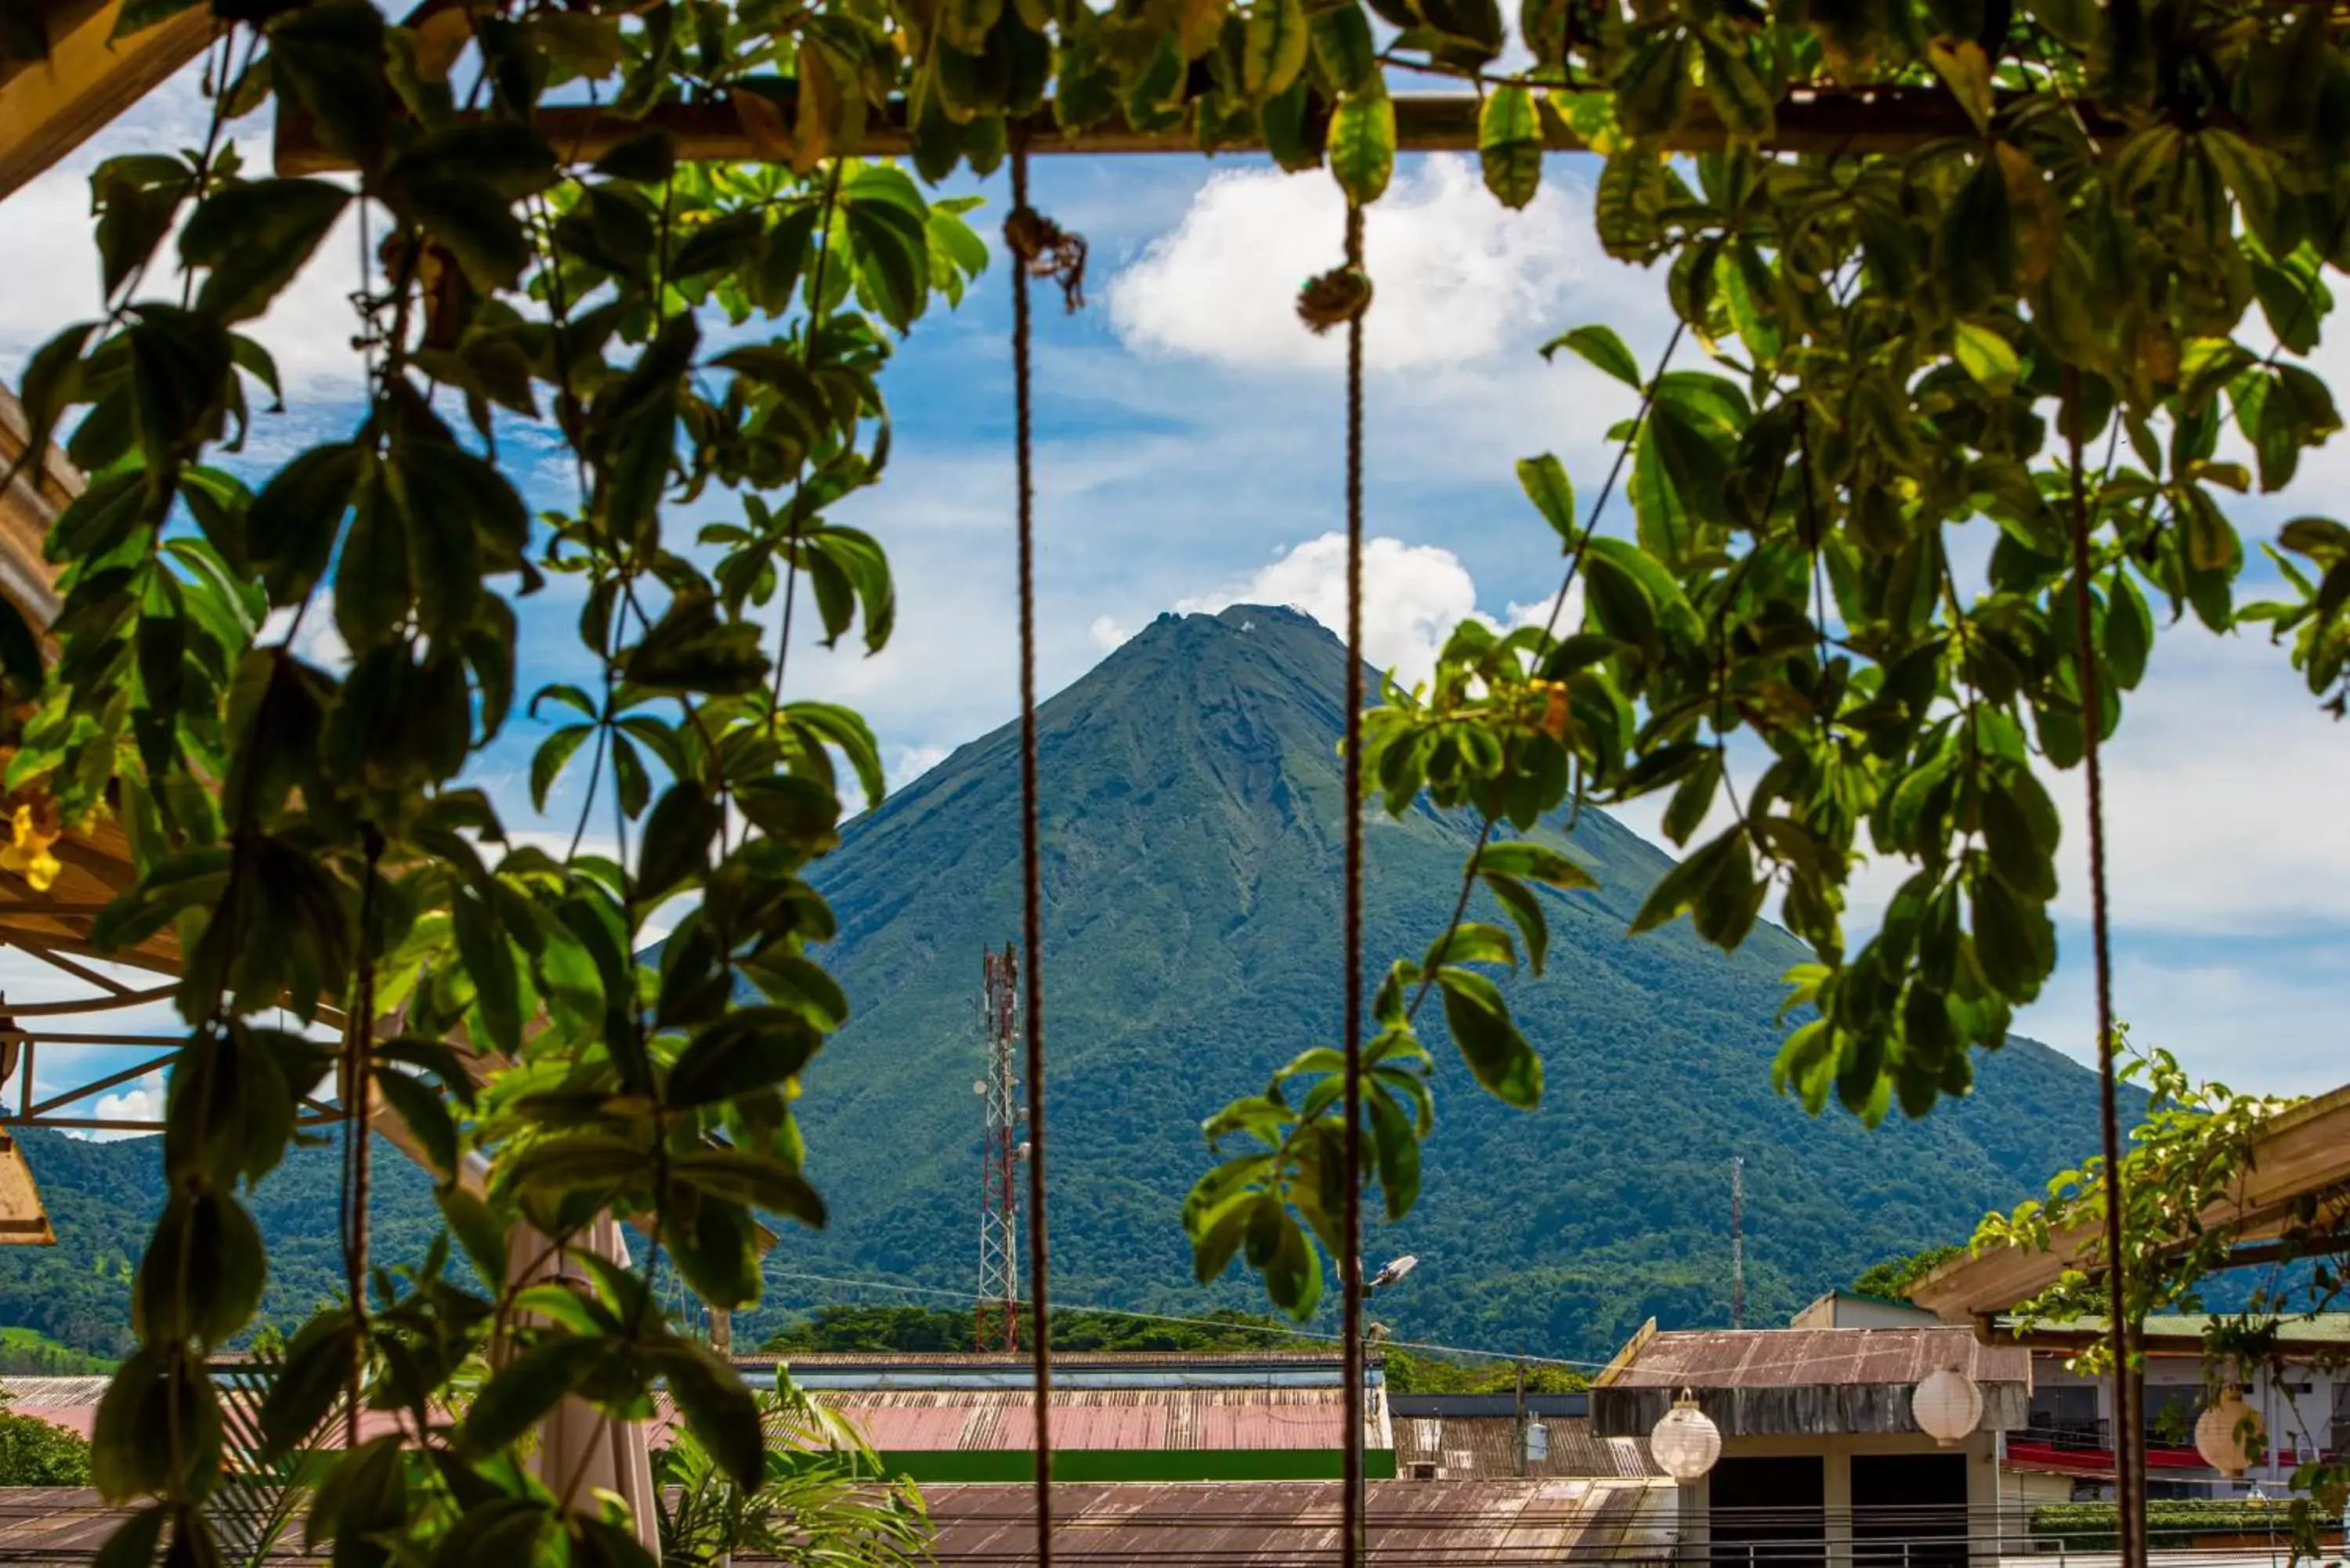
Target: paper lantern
1686,1443
2230,1435
1947,1406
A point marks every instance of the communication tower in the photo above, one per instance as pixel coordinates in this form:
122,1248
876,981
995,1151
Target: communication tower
997,1314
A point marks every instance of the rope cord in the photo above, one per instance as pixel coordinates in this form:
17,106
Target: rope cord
1351,1264
1024,235
2130,1438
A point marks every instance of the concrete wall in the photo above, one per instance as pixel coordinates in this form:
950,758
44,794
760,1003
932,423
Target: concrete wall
1840,1309
1983,1483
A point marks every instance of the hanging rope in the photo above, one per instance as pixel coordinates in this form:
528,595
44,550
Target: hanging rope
2129,1435
1040,249
1342,295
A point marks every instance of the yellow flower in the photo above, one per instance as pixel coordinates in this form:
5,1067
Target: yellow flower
27,851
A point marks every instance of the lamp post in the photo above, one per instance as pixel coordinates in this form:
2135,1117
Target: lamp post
1384,1279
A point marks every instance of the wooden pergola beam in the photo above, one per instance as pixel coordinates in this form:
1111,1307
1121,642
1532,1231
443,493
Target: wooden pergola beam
1842,121
48,108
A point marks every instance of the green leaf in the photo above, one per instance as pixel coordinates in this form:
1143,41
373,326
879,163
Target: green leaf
1395,1143
2129,632
1986,356
719,1409
489,963
1545,481
1274,41
527,1389
1736,91
1488,1039
427,1116
1685,883
1523,857
317,1369
476,224
1966,71
254,236
291,527
1601,347
547,763
1526,911
1362,145
2014,942
677,841
1342,45
690,649
749,1048
755,1180
1510,144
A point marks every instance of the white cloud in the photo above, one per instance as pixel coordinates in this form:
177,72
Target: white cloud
50,260
1413,596
143,1103
1107,632
318,642
1457,276
908,764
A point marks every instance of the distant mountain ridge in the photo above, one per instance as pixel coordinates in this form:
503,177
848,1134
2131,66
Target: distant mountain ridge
1193,807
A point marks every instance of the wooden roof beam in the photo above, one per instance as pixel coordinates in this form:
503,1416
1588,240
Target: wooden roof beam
2303,1154
1809,120
50,107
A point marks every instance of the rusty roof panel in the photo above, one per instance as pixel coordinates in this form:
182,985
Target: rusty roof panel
1799,1357
1259,1524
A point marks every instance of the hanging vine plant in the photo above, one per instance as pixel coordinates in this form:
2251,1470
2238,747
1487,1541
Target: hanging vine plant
2053,275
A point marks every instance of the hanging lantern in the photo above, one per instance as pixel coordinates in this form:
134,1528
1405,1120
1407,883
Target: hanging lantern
1947,1406
1686,1443
2230,1435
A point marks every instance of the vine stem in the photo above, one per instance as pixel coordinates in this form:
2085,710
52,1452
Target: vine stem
358,1036
807,362
2129,1439
1351,1262
1549,629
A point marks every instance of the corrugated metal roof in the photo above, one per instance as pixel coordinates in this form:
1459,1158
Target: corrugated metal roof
1484,1447
996,1361
1821,1357
1096,1419
1243,1525
1260,1525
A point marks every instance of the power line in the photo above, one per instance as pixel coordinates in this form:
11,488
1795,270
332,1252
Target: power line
1199,1322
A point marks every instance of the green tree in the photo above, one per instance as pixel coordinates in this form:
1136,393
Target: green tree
1892,1278
33,1452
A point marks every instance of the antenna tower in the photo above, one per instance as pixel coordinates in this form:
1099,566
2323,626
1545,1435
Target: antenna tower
995,1317
1738,1241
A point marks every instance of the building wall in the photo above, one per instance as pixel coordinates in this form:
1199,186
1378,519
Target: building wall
1840,1309
1983,1482
2298,1408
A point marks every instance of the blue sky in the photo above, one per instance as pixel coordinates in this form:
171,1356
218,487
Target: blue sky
1189,440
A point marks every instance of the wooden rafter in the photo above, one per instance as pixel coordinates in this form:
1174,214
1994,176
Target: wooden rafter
50,107
2302,1156
1845,121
